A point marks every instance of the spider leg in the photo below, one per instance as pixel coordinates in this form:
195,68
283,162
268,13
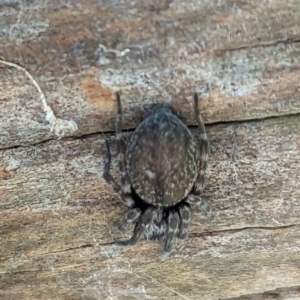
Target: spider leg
130,217
172,229
202,204
121,149
157,229
106,175
185,216
125,199
201,178
139,229
200,181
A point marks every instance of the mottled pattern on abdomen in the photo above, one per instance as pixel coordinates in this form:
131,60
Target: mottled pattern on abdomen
162,158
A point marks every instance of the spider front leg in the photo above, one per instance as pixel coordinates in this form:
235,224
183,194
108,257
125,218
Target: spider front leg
185,216
172,229
131,216
140,228
202,204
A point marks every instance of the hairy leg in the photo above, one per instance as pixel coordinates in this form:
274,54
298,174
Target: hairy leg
157,229
202,204
125,199
140,228
172,229
185,220
130,217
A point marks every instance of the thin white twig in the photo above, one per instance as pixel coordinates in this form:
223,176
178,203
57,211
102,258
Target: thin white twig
59,126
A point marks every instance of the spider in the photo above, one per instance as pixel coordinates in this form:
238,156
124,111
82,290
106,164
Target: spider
162,170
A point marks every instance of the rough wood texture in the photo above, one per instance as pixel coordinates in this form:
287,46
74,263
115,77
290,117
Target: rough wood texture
243,56
56,214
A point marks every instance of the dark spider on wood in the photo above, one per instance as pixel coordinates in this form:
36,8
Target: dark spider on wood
162,170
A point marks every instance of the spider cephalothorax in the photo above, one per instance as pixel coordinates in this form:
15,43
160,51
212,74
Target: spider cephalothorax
162,170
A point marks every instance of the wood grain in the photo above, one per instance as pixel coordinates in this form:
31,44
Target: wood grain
56,216
242,57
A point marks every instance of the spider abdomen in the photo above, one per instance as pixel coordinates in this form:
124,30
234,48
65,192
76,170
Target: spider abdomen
162,159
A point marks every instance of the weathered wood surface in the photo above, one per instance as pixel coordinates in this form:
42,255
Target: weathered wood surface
56,214
56,239
242,55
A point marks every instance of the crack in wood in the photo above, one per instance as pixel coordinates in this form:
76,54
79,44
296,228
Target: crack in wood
278,293
234,230
275,43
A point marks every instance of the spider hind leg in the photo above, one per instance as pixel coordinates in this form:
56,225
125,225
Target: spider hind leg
121,148
203,143
125,198
194,198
